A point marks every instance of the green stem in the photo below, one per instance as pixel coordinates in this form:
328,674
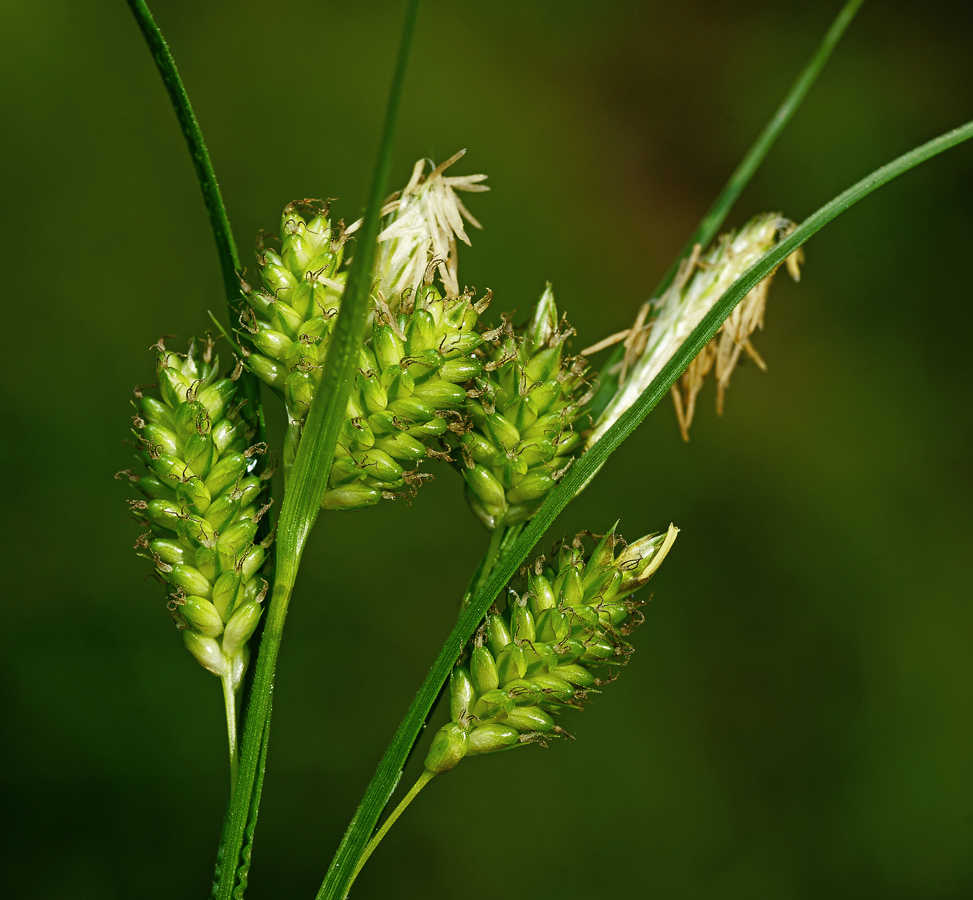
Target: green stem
389,769
486,566
229,699
717,213
256,726
501,540
305,488
422,781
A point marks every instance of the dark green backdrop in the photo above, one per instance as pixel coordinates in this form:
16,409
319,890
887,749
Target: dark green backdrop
796,722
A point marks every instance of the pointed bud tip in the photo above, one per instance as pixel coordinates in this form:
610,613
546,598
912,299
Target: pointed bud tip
639,561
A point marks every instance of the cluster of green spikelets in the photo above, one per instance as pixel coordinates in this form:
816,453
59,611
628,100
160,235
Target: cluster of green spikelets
408,389
507,406
524,409
552,646
203,507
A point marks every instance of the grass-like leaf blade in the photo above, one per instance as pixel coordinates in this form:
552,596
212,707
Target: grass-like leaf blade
717,213
213,200
225,245
386,776
307,484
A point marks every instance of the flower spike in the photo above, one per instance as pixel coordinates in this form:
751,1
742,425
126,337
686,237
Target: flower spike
203,504
524,407
700,282
552,646
424,222
419,352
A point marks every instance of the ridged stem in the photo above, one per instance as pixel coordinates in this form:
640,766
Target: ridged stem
212,198
489,560
229,698
302,499
716,214
422,781
256,725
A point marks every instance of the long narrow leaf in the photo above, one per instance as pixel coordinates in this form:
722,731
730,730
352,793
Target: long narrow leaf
717,213
389,769
213,200
308,482
225,245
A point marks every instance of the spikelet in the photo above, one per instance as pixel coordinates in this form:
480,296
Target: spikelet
663,325
549,648
524,409
203,491
420,346
289,322
425,219
408,389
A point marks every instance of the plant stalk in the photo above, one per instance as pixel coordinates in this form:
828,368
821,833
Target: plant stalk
257,722
421,782
229,699
307,484
212,198
717,213
489,561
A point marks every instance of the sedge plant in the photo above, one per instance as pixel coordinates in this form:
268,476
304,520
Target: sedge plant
388,369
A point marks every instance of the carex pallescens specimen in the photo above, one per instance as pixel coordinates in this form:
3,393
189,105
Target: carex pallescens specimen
555,642
243,814
419,348
554,645
203,505
525,412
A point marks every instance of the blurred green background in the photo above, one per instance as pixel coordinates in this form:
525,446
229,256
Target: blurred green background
796,722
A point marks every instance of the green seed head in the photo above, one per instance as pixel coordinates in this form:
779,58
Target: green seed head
526,407
412,368
400,400
201,512
548,649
